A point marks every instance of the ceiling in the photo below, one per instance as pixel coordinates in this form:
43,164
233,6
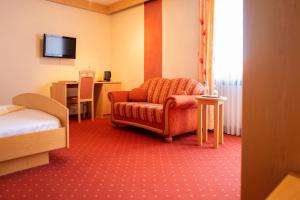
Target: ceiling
105,2
101,6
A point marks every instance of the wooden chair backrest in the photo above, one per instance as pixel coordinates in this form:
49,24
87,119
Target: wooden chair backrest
86,85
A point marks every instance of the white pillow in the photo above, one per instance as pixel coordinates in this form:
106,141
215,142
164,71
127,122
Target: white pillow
5,109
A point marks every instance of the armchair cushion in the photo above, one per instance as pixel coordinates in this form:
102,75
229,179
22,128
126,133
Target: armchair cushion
141,111
138,95
118,96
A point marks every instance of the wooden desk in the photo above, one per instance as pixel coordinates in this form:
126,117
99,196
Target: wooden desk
59,92
203,102
289,188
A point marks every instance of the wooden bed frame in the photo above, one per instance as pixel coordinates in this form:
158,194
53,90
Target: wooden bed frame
30,150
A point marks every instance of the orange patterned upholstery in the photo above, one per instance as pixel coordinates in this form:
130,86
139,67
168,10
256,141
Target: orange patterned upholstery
139,110
159,89
171,108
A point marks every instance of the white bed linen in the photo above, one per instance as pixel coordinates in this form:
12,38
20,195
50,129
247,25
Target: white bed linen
26,121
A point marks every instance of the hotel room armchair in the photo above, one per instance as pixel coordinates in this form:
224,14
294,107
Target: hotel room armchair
167,107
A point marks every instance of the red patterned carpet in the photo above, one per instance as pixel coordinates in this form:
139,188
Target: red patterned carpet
130,163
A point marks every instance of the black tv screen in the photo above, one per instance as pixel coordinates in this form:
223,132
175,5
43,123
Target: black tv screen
59,46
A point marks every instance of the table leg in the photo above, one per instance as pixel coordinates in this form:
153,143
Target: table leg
199,130
216,125
221,123
204,123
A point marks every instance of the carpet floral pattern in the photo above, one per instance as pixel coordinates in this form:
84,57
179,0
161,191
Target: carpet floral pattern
130,163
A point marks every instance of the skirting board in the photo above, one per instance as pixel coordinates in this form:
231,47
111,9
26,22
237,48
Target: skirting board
14,165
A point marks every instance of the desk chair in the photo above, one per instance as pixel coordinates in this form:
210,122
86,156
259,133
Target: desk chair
85,92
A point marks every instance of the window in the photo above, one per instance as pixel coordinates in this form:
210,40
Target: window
228,60
228,40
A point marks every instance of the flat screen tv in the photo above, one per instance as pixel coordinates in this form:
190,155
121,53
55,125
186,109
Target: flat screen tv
56,46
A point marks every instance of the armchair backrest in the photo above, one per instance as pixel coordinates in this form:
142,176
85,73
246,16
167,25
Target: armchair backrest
159,89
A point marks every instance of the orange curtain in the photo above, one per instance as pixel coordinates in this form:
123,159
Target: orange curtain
206,42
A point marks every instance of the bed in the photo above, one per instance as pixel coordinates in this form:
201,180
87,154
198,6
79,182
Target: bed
27,136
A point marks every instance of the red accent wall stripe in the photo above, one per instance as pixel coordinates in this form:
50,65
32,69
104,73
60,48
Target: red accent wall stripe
153,39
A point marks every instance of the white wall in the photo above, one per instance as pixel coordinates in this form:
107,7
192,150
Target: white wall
180,38
22,69
180,42
104,42
128,47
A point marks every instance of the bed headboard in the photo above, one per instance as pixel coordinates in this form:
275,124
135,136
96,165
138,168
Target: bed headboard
43,103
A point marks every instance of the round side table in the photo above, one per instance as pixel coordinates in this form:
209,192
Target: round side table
217,102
